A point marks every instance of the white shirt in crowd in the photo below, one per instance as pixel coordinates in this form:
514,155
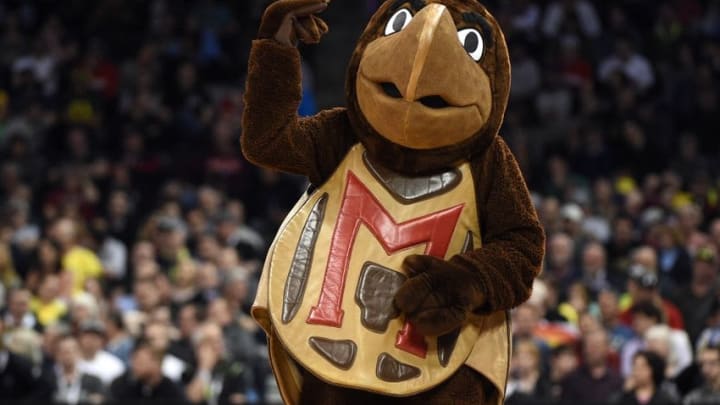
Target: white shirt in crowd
104,366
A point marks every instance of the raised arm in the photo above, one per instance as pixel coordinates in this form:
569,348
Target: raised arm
273,135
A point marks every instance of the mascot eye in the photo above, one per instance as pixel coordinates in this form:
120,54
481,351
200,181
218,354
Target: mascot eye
398,21
472,41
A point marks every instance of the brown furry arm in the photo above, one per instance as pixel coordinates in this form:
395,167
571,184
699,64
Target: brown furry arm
441,295
513,239
273,135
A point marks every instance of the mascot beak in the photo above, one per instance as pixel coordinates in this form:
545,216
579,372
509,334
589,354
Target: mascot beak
419,88
419,40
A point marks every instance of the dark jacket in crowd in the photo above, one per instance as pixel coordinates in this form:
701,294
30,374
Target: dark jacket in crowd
21,382
127,389
580,387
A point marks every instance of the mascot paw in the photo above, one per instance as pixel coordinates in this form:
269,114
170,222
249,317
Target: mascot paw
439,296
290,21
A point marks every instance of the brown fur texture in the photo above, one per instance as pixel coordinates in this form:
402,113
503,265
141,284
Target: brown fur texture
496,277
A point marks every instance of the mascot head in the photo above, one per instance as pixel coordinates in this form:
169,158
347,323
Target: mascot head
428,83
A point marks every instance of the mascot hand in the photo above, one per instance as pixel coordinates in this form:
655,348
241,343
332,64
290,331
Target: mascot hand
289,21
439,296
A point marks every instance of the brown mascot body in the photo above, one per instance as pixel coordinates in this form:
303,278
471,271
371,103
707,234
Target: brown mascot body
390,282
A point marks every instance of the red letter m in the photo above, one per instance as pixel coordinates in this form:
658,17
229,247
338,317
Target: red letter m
358,207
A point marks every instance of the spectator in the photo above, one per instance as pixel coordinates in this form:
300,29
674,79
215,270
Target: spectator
595,275
17,313
619,333
47,306
643,386
79,261
627,64
217,379
709,360
144,381
696,300
96,361
527,384
18,380
672,345
642,287
74,386
594,380
157,334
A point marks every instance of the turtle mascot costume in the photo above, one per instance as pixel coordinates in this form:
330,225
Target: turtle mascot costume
391,279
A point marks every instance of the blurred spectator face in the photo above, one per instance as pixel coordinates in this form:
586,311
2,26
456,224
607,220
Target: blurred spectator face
161,315
623,231
526,358
186,274
91,343
146,364
208,248
83,309
63,232
550,212
228,259
641,372
19,303
146,295
211,335
158,335
188,320
143,252
47,255
208,278
715,232
646,257
146,270
593,258
588,324
603,190
608,303
197,224
209,200
119,204
563,362
641,323
709,360
561,250
596,348
705,266
525,320
689,217
68,353
49,288
236,288
219,312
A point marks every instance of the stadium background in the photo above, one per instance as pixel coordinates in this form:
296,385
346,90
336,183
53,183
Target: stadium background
132,230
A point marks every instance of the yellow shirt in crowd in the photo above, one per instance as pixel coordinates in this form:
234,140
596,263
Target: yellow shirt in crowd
83,264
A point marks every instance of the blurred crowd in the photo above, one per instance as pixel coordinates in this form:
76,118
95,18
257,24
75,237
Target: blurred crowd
132,230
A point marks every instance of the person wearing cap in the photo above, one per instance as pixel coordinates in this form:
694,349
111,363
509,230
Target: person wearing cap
95,360
643,286
695,301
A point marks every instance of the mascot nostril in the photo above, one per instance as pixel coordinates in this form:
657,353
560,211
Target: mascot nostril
434,102
391,90
392,278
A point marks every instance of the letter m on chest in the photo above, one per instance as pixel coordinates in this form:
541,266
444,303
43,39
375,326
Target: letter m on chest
360,207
